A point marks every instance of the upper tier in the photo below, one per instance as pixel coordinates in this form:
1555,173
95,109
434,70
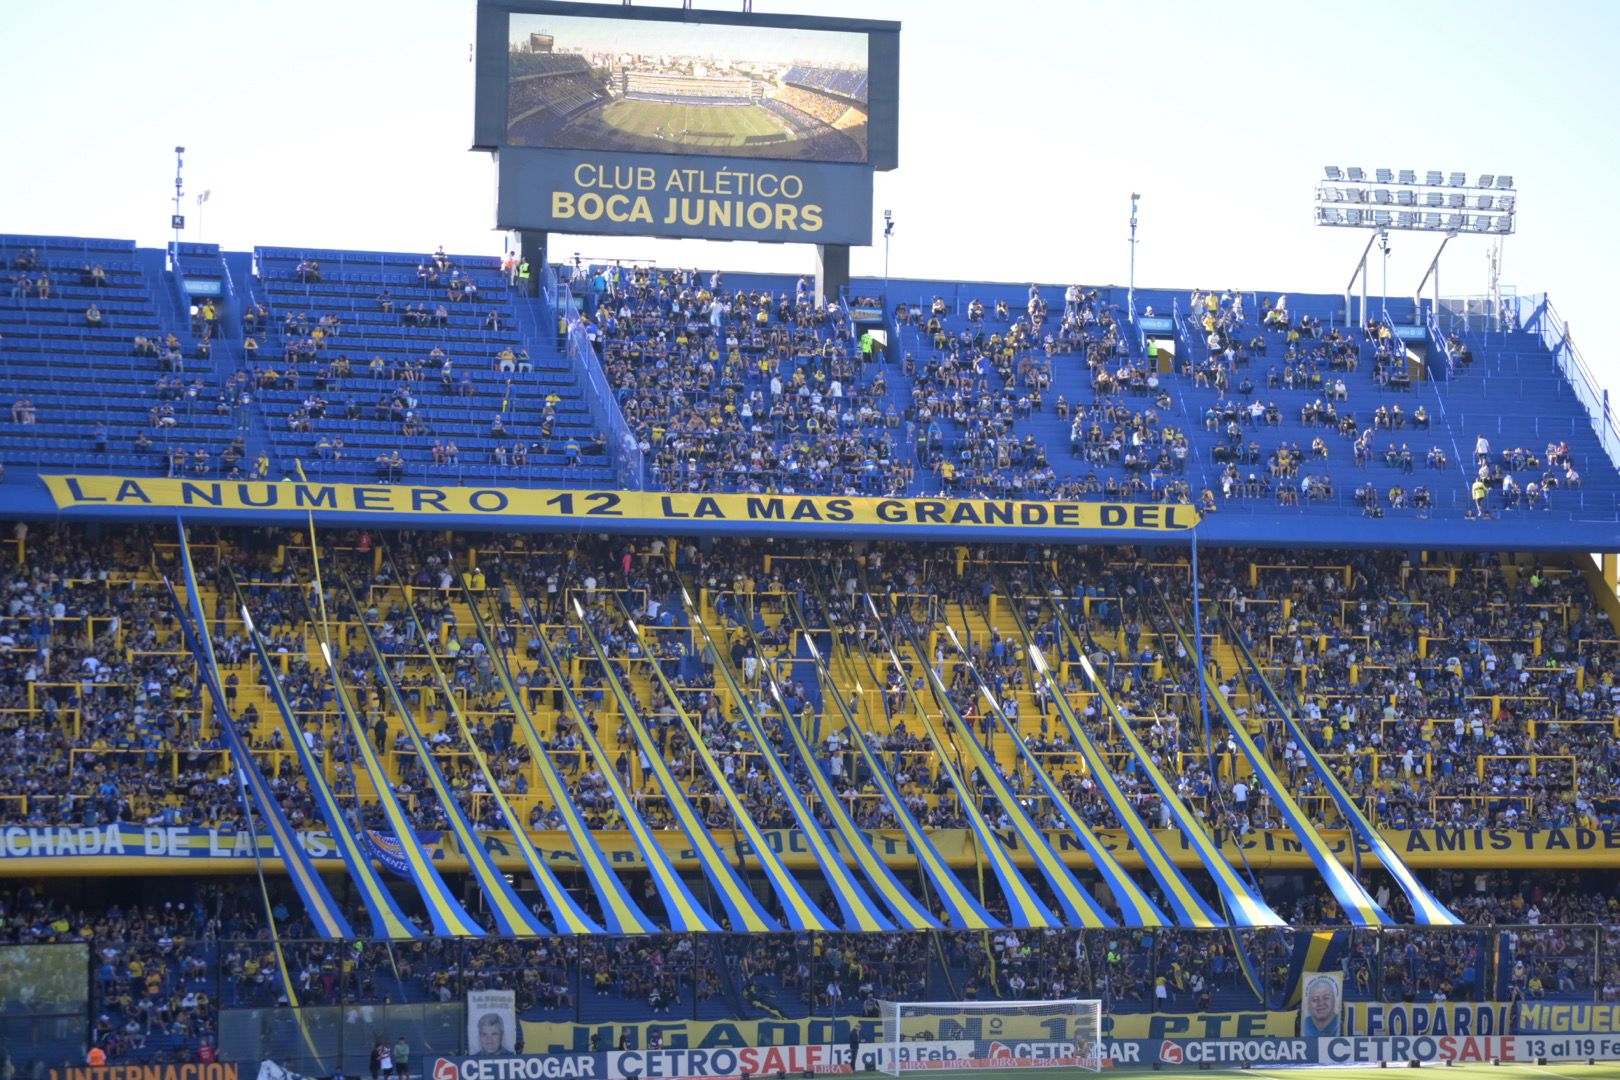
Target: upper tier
1271,414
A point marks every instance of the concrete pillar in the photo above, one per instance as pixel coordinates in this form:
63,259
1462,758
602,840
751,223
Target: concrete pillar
532,246
832,269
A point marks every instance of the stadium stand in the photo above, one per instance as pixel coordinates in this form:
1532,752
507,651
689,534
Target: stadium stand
545,90
1267,411
659,85
835,82
76,307
795,686
163,974
373,354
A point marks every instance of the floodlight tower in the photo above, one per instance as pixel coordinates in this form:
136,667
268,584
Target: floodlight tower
888,234
1446,204
1131,291
177,220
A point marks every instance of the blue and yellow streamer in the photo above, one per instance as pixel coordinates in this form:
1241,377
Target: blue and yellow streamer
445,912
1427,910
511,916
1079,906
1245,907
1189,908
325,915
859,911
735,895
1136,909
620,912
319,902
802,913
386,918
1359,907
685,914
961,909
1025,908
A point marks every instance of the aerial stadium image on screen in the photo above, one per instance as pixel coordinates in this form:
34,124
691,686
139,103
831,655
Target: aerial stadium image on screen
742,91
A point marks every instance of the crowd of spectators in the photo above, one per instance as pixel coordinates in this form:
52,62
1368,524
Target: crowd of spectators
1323,370
739,390
1499,714
184,388
819,106
420,384
1458,694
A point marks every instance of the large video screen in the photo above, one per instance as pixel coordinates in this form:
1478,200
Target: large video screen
577,82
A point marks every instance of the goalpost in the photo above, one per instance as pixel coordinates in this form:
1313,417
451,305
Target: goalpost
919,1035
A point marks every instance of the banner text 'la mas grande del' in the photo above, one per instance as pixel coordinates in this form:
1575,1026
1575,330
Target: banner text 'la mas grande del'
602,510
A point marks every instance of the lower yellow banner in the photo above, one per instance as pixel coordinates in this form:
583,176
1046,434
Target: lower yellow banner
557,1038
69,849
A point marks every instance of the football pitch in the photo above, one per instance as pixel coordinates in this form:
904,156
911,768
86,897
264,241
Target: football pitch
691,125
1564,1070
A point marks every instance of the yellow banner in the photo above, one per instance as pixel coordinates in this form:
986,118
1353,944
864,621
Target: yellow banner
47,849
583,507
1378,1019
544,1037
1540,1017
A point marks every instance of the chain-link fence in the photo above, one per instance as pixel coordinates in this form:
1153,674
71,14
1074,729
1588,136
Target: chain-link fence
44,1005
319,1040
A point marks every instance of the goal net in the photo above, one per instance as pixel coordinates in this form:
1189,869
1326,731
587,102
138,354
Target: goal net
919,1035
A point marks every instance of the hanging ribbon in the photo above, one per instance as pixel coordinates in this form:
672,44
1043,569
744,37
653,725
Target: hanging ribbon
511,916
735,895
859,911
1357,905
324,912
620,912
386,918
323,909
1189,908
444,911
686,915
962,910
1427,910
1079,906
1135,907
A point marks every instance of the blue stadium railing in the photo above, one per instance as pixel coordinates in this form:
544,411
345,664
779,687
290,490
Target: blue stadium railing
629,463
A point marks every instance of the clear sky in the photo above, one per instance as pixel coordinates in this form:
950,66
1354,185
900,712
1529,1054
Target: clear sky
1024,127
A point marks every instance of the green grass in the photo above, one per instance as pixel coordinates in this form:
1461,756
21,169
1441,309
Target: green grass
690,125
1569,1070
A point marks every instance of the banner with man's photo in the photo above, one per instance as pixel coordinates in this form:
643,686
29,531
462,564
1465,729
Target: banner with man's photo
1320,1011
491,1022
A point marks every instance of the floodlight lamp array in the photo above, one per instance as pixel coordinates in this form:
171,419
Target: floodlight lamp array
1398,199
